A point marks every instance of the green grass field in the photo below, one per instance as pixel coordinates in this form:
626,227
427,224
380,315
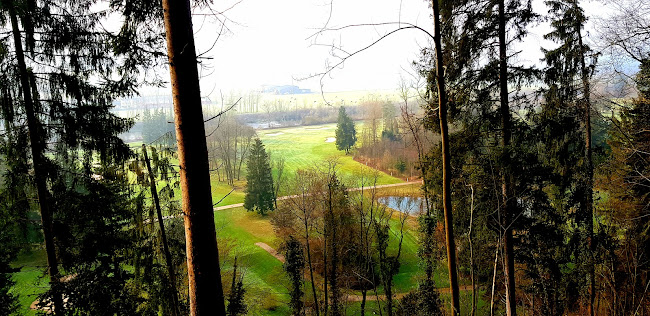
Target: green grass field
31,280
266,283
312,147
302,147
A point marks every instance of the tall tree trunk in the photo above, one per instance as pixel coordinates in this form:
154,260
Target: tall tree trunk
471,252
311,268
589,168
446,168
326,302
204,273
506,186
38,158
163,235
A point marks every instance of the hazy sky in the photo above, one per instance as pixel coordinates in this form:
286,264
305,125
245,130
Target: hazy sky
272,43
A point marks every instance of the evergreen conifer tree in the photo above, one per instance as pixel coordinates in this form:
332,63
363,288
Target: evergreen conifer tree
568,75
294,266
259,180
63,77
346,134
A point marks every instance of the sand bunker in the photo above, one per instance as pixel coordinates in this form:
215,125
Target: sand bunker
275,134
330,139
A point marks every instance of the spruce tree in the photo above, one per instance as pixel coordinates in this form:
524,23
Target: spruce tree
346,134
259,180
65,73
8,251
569,74
294,266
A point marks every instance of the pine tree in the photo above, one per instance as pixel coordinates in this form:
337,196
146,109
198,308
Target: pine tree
569,76
236,303
259,180
8,251
65,74
346,134
294,266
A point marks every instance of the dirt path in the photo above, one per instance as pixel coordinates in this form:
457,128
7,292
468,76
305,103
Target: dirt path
271,251
225,207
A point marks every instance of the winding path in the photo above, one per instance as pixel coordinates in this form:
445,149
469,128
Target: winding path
286,197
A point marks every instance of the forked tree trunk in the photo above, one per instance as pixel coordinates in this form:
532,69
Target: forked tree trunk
163,235
446,168
204,273
506,179
37,148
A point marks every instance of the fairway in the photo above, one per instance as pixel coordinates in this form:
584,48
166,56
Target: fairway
302,147
312,147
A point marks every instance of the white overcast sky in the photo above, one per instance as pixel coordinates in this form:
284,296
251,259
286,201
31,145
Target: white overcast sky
269,43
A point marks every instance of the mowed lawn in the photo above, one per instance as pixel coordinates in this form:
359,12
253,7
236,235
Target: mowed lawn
302,147
312,147
31,280
264,273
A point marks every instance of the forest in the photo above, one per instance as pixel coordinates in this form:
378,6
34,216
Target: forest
484,184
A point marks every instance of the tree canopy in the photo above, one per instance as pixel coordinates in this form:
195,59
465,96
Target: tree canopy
259,180
346,134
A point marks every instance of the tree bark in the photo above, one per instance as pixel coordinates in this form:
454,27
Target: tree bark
446,168
471,252
163,235
39,162
204,273
589,168
311,268
506,186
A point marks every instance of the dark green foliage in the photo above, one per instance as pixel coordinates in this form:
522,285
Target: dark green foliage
560,131
424,301
400,165
236,303
152,275
9,236
390,130
388,265
74,70
92,243
335,217
346,134
259,180
294,266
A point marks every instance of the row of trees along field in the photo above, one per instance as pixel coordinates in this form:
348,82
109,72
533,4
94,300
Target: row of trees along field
392,137
542,198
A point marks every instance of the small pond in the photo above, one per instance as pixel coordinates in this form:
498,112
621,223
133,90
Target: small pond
404,204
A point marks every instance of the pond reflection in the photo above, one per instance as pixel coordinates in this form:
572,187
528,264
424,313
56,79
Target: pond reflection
404,204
